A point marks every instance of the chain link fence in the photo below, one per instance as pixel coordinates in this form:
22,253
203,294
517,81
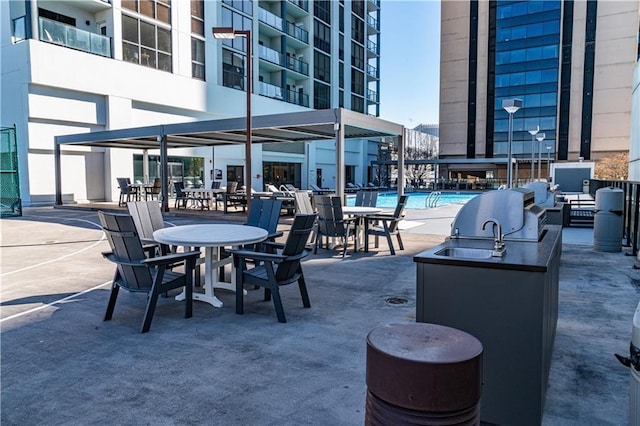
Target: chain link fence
10,202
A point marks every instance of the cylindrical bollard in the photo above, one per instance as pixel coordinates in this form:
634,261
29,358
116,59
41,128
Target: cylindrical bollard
423,374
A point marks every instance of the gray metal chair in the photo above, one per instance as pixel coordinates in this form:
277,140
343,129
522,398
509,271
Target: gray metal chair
137,273
386,225
331,221
366,198
276,269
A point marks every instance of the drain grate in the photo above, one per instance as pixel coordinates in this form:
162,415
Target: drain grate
396,300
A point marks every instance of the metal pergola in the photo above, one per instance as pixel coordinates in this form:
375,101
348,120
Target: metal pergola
330,124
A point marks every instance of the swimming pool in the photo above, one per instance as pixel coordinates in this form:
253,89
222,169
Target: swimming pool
417,200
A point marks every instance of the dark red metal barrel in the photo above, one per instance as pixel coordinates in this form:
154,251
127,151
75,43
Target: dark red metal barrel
423,374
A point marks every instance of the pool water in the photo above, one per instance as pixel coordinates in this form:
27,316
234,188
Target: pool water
417,200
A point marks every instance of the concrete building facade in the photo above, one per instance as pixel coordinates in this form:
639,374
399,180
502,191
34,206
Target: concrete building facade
86,65
570,62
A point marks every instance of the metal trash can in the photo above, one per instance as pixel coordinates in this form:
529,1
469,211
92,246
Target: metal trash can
423,374
633,362
585,186
607,222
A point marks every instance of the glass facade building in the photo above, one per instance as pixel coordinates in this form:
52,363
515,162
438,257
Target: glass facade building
526,66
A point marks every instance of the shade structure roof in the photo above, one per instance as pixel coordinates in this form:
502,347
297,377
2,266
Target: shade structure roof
287,127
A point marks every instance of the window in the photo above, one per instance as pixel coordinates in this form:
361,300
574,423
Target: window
322,95
322,36
357,103
245,6
197,17
357,6
357,56
232,69
160,10
357,29
197,58
357,81
239,22
322,10
322,66
146,43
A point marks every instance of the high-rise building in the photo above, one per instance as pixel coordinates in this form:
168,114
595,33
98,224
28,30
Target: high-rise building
86,65
570,62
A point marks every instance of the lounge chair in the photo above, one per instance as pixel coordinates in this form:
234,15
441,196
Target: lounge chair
351,187
320,191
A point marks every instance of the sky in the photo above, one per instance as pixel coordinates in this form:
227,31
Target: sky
410,61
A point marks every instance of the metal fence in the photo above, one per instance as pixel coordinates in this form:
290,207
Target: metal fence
10,202
631,208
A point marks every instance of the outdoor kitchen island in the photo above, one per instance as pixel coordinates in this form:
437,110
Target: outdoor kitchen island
508,301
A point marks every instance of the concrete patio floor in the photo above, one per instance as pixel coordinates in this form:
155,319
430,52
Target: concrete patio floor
61,364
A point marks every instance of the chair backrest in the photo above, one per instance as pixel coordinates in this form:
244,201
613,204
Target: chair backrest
366,198
303,202
179,188
290,187
265,213
295,245
215,184
157,186
314,187
147,217
398,213
272,188
330,216
124,183
232,187
126,248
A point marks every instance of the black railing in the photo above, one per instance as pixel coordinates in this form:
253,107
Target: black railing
631,208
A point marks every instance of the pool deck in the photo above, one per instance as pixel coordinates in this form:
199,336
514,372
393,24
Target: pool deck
61,364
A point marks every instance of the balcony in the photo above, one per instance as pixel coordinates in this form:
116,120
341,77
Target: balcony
302,4
373,5
372,47
270,55
372,71
74,38
297,65
297,32
277,92
270,19
373,23
372,95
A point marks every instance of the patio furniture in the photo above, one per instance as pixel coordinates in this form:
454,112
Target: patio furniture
366,198
331,221
213,237
358,214
147,218
127,191
265,213
232,198
182,198
276,269
320,191
137,273
386,225
350,188
155,190
304,206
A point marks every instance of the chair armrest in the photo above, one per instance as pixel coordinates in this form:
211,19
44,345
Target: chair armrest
273,244
171,258
265,257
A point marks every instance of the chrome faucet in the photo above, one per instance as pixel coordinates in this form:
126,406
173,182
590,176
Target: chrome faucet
498,237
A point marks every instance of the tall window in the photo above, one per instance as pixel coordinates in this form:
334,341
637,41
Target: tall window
233,69
322,10
245,6
357,55
197,39
357,29
146,33
321,36
236,21
322,66
357,81
526,67
322,95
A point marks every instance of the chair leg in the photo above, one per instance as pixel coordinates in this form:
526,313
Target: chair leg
188,287
390,242
303,292
267,294
151,308
239,293
277,303
112,302
400,241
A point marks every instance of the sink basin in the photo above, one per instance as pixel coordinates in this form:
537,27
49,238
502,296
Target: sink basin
465,252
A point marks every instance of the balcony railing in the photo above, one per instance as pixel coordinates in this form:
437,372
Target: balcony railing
297,65
373,22
372,95
277,92
372,47
302,4
270,55
372,71
295,31
68,36
270,19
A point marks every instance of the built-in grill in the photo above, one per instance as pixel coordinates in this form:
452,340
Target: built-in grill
515,209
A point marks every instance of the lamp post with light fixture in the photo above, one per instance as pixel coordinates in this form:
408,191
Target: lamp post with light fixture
540,137
230,33
533,133
548,160
511,106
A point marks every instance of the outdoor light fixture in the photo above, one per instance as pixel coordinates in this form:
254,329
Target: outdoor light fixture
533,132
540,137
230,33
511,106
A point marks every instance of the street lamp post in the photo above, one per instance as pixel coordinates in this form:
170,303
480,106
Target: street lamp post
533,133
540,137
548,160
230,33
511,106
